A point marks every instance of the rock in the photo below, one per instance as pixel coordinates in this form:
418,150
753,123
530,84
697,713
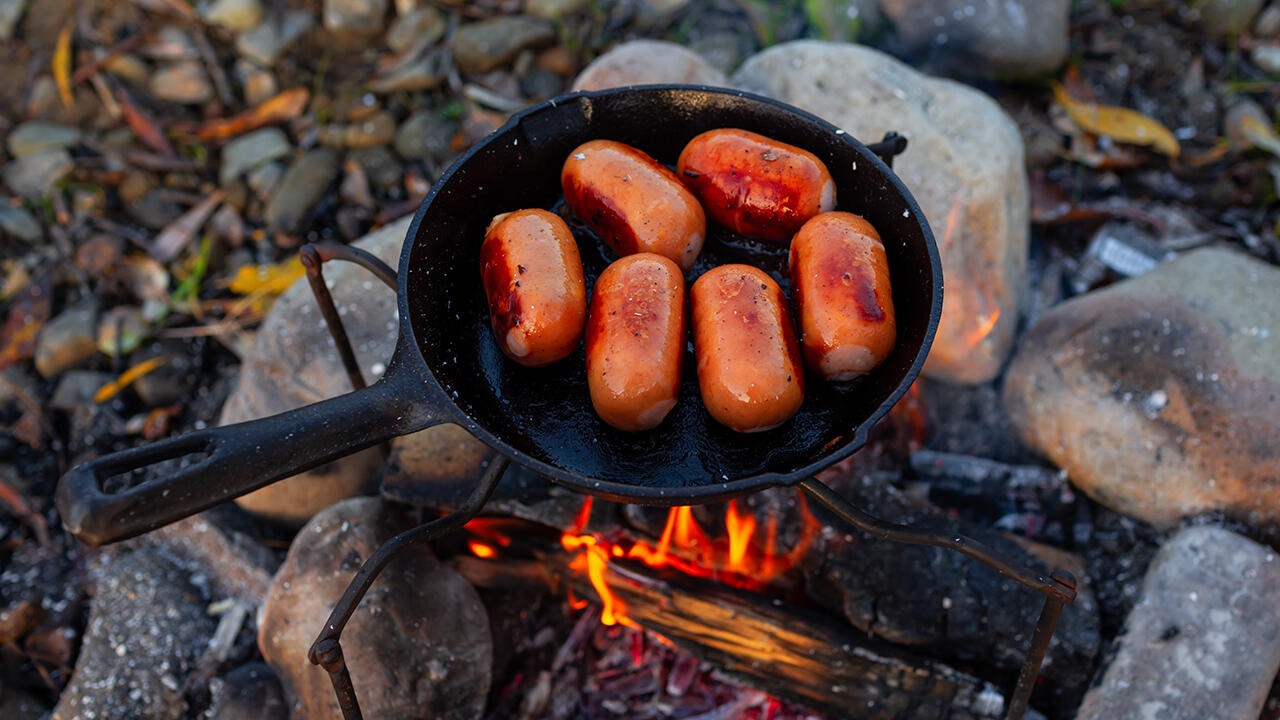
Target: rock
555,9
964,165
421,26
19,223
1020,38
643,62
153,210
304,184
130,68
259,85
435,465
121,330
1239,110
76,388
36,136
1158,394
419,644
1267,24
379,129
415,71
1204,640
32,176
228,225
723,51
264,179
357,17
380,166
251,150
293,362
235,565
939,601
1267,58
425,134
264,44
1220,18
482,46
250,692
234,15
68,340
144,636
185,83
650,13
10,12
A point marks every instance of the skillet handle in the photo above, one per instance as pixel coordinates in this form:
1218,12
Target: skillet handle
236,459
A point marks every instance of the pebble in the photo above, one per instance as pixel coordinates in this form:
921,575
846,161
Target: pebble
18,223
185,83
10,12
130,68
234,15
655,12
416,71
264,45
357,17
1012,38
418,646
251,150
421,26
380,166
259,85
482,46
144,636
1204,639
153,211
1220,18
643,62
1267,24
425,134
76,389
33,176
964,161
555,9
304,184
1240,109
1267,58
292,362
1157,395
36,136
67,341
378,129
264,179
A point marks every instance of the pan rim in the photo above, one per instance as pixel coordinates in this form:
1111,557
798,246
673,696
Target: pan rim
448,411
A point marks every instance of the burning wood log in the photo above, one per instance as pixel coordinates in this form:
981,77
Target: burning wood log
788,651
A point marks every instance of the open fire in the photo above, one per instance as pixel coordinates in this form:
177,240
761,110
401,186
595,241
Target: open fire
743,554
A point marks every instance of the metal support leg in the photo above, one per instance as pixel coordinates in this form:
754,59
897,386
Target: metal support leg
326,651
1059,588
313,257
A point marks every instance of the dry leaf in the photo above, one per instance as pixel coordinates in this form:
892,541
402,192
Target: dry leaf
143,127
108,391
179,233
1119,124
27,314
281,108
62,65
266,279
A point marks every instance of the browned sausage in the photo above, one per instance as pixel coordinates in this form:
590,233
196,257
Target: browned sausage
635,339
755,185
532,277
633,203
840,282
749,367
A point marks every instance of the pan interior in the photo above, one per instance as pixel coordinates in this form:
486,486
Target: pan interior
545,413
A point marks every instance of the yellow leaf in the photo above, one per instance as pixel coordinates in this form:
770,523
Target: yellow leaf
108,391
1119,124
266,279
1260,134
62,65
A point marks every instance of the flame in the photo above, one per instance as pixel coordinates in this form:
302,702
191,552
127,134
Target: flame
480,549
984,329
745,555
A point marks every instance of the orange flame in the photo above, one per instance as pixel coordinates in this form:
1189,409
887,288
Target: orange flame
984,329
742,557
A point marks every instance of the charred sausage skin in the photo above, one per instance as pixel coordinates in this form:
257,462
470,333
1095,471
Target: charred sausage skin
532,277
749,368
632,202
754,185
844,301
635,341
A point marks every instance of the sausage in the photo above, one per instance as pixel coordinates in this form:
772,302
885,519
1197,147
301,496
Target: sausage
635,341
755,185
840,284
532,277
633,203
749,367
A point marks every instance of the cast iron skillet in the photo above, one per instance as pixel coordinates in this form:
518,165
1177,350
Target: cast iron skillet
446,367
